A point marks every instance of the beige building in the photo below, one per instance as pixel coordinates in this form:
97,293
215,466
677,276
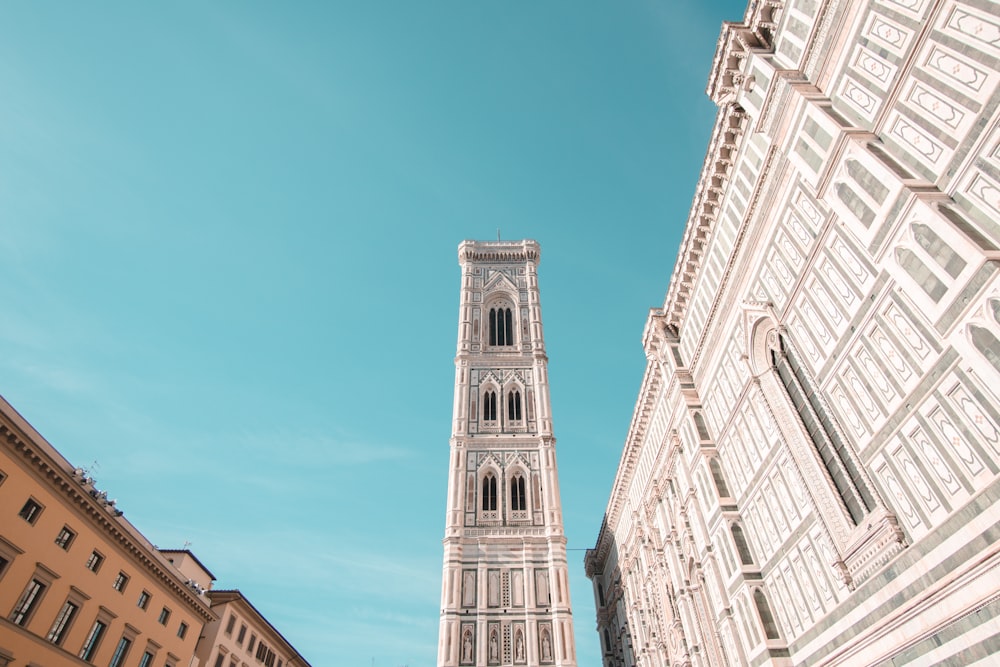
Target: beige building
811,472
505,587
242,637
79,584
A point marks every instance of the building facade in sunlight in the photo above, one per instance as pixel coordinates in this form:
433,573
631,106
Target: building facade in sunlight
505,589
811,472
79,584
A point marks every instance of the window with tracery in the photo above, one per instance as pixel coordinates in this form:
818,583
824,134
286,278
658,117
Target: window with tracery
832,450
489,405
501,326
514,405
518,497
489,492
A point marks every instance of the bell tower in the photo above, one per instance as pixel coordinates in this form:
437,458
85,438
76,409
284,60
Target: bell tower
505,589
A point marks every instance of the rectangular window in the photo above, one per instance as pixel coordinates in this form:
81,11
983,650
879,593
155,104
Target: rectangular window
30,511
29,600
143,600
3,565
147,659
121,651
93,640
164,616
219,660
65,538
230,624
243,633
95,561
62,623
121,581
253,642
182,630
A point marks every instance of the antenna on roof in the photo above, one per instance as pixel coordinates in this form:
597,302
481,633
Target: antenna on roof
498,234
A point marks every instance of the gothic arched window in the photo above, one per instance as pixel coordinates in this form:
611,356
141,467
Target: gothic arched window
518,497
985,340
489,492
921,274
514,405
766,617
489,405
501,326
831,448
741,544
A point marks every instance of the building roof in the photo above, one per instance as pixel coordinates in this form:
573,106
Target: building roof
225,596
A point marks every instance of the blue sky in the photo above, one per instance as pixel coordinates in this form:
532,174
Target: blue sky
230,283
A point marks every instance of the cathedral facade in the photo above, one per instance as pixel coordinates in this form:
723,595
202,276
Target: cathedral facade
505,587
811,473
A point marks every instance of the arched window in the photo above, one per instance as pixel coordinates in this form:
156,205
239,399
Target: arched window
832,450
943,254
987,344
489,492
718,478
921,274
501,326
518,498
764,611
514,405
489,405
741,544
986,340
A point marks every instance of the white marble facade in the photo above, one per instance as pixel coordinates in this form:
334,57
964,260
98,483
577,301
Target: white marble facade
811,474
505,590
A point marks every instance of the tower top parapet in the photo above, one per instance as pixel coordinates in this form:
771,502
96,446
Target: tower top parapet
526,250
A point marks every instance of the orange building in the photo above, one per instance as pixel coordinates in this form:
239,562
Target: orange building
79,584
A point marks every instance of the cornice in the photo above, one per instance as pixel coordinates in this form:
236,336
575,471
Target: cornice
222,597
649,394
736,41
499,252
730,123
756,31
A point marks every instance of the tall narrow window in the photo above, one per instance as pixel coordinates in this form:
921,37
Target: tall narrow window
921,274
147,660
490,405
766,617
501,326
741,544
518,498
121,652
93,640
63,620
831,448
27,603
514,405
941,252
489,493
